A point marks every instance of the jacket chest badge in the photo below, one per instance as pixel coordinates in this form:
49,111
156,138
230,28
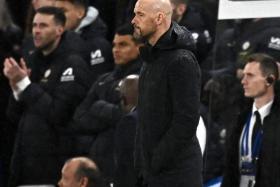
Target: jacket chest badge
46,75
67,75
96,57
274,43
246,45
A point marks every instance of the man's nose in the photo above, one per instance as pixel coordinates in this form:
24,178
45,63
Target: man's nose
133,20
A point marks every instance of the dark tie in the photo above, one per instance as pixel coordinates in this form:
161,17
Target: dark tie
257,125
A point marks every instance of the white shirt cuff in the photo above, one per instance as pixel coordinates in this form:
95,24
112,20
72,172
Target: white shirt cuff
21,85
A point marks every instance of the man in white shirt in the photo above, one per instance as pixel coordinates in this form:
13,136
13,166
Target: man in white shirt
254,151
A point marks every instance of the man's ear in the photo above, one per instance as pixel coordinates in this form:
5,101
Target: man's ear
270,80
159,18
80,12
84,182
59,30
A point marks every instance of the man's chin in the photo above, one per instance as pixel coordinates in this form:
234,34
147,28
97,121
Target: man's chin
39,48
37,45
137,35
248,95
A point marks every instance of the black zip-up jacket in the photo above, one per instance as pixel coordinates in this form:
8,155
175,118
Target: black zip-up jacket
96,117
98,48
235,44
168,107
92,45
59,82
193,20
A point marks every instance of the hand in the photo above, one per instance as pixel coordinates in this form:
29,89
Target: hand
15,72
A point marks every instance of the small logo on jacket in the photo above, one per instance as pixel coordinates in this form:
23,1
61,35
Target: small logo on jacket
46,75
274,43
96,57
246,45
67,75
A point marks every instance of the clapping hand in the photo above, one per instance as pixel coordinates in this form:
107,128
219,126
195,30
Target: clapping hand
15,72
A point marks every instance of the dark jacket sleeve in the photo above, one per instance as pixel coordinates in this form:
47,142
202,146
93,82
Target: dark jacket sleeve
58,106
184,85
14,110
106,111
94,114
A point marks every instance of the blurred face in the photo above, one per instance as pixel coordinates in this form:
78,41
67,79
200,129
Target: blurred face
74,14
46,33
175,15
253,81
40,3
68,178
178,11
144,20
124,49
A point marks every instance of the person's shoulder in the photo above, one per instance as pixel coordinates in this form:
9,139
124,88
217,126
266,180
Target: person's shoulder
184,55
75,60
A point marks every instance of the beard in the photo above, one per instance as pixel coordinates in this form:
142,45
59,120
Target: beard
137,34
140,36
46,46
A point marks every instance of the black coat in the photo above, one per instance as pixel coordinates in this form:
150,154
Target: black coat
59,82
235,44
91,44
125,173
268,169
169,91
98,48
194,21
96,117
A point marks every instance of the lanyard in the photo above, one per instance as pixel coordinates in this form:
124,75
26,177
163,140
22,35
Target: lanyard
245,143
245,138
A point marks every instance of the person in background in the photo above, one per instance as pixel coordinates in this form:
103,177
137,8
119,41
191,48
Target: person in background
125,173
190,16
222,70
253,148
85,21
247,36
44,98
97,116
80,172
10,43
34,5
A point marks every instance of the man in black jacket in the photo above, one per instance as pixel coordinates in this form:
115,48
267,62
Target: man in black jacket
85,21
260,35
192,17
100,111
125,173
44,99
169,90
253,154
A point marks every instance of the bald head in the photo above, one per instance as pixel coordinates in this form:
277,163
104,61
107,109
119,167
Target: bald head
129,92
155,6
152,19
80,172
83,160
